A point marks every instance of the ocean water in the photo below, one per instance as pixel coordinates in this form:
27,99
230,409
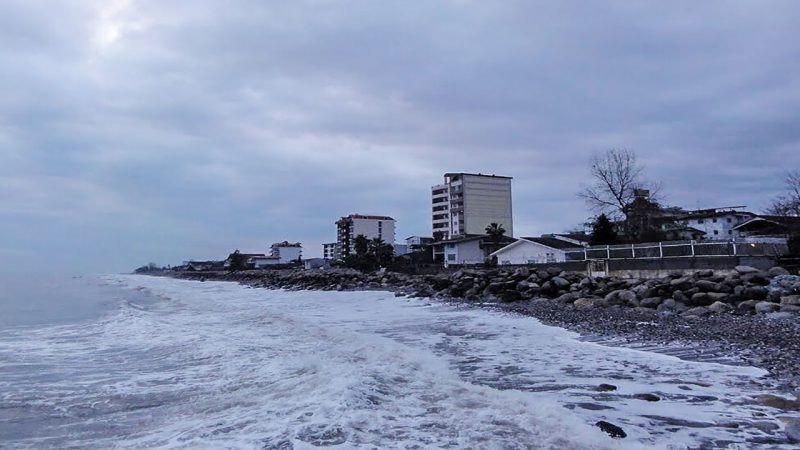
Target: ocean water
145,362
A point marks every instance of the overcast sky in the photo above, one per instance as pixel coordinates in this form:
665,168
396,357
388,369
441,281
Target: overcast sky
137,131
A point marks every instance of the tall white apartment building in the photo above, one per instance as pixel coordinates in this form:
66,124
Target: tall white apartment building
466,203
371,227
329,250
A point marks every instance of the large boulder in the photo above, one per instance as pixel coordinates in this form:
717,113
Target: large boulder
719,307
651,302
766,307
777,271
745,269
790,300
560,282
705,285
746,307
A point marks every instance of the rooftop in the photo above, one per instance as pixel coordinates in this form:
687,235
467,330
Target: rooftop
450,174
552,242
366,216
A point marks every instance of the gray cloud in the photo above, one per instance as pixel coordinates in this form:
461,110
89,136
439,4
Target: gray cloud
139,130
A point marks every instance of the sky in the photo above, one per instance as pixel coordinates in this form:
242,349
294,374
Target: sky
138,131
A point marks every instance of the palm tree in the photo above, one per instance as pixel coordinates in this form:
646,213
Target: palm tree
496,233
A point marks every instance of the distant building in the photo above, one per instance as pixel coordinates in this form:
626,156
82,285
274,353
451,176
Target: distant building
467,203
243,260
769,226
329,250
536,250
400,249
716,223
259,262
354,225
287,252
418,242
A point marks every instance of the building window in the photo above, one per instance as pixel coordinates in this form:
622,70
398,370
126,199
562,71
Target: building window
716,232
729,220
451,257
730,231
714,220
699,221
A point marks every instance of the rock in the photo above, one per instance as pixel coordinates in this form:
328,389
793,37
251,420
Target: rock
611,429
647,397
522,272
746,307
679,296
651,302
560,283
584,303
697,311
604,387
790,300
745,269
766,427
758,278
773,401
795,309
523,286
792,429
777,271
783,315
719,307
567,298
700,299
705,285
755,293
766,307
510,296
706,273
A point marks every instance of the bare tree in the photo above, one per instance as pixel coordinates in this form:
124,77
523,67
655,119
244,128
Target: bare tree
789,203
616,175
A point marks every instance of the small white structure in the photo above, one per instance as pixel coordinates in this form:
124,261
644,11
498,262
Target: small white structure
287,252
316,263
535,250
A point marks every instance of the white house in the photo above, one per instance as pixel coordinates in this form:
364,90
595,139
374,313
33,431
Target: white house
717,224
536,250
468,249
287,252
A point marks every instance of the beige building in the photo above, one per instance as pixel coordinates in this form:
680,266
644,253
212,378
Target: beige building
466,203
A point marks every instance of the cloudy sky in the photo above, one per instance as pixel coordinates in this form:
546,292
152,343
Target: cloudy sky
136,131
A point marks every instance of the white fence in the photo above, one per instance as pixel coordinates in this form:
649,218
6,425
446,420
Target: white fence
680,249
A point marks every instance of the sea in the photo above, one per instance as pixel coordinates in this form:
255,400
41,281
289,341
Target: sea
127,361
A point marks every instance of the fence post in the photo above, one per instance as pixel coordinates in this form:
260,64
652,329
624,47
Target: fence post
585,254
608,252
660,250
691,243
633,251
734,247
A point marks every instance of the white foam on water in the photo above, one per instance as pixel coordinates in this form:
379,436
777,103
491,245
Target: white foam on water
220,365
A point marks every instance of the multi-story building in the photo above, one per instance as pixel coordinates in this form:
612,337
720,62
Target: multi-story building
287,252
354,225
717,223
329,250
467,203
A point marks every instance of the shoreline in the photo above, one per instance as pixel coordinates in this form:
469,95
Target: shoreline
770,341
